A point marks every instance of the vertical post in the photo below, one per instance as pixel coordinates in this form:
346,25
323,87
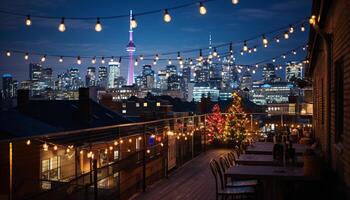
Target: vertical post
205,133
192,119
251,123
166,151
144,160
76,161
281,119
10,163
95,179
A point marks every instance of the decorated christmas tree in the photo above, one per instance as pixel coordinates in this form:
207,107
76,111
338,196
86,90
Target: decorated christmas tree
236,122
216,125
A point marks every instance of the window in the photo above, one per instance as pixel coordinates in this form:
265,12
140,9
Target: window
137,105
158,104
116,155
339,100
124,105
145,104
50,170
123,111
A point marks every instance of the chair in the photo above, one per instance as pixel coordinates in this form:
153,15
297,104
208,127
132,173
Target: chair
223,191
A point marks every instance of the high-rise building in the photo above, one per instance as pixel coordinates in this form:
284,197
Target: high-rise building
229,74
147,77
171,70
131,48
174,82
294,70
90,77
201,72
113,73
204,90
75,79
103,77
272,93
268,73
35,71
246,81
7,86
162,80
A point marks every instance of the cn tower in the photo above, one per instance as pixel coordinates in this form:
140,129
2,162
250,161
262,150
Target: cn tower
131,48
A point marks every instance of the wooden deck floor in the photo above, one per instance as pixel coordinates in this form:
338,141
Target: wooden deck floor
193,181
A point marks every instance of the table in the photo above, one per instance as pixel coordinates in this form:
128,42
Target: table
261,159
272,176
266,148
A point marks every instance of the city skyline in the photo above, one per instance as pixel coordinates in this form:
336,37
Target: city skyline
17,67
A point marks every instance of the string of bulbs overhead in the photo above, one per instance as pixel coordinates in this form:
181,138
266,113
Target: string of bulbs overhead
266,39
98,25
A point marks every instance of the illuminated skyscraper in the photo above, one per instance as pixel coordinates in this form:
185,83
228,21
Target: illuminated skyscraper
131,49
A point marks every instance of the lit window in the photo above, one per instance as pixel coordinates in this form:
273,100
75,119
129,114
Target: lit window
124,105
123,111
137,105
145,104
158,104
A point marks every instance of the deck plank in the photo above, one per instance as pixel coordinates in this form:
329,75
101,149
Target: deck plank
192,181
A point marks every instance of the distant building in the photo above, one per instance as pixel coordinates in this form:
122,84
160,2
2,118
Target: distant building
268,73
271,93
147,77
102,77
90,78
162,80
113,73
204,90
7,87
294,70
246,81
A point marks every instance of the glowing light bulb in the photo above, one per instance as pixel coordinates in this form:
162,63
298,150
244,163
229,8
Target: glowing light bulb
28,21
26,56
61,59
93,61
294,52
136,63
45,147
178,56
284,56
302,28
253,71
78,60
28,142
235,2
264,40
167,17
169,61
157,57
215,53
43,59
255,49
133,22
291,29
62,27
273,60
202,9
181,62
55,147
242,53
98,26
103,60
245,47
265,45
154,62
141,57
277,39
312,20
286,35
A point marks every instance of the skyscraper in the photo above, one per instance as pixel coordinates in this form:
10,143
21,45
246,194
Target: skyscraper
131,48
103,77
7,86
113,73
90,77
294,70
269,74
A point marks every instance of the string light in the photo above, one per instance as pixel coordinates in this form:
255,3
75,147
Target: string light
264,40
157,57
45,147
141,57
62,27
235,2
245,47
28,21
286,35
55,147
169,62
78,60
291,29
93,61
98,26
26,56
284,56
43,59
312,20
115,143
167,17
214,52
103,60
154,62
8,53
277,39
133,22
28,142
60,59
136,62
178,56
255,49
202,9
302,28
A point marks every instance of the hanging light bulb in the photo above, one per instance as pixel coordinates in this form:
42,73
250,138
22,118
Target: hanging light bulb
8,53
136,62
167,17
60,59
133,22
93,61
141,57
265,45
98,26
112,59
230,48
43,59
28,142
255,49
169,62
253,71
286,35
280,67
291,29
302,28
202,9
249,50
26,56
312,20
191,62
55,147
154,62
78,60
273,60
245,47
28,21
178,56
157,57
200,58
235,2
103,60
264,40
62,27
277,39
181,62
45,147
284,56
242,53
214,52
294,52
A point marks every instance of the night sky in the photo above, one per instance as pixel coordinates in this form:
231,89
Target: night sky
187,30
